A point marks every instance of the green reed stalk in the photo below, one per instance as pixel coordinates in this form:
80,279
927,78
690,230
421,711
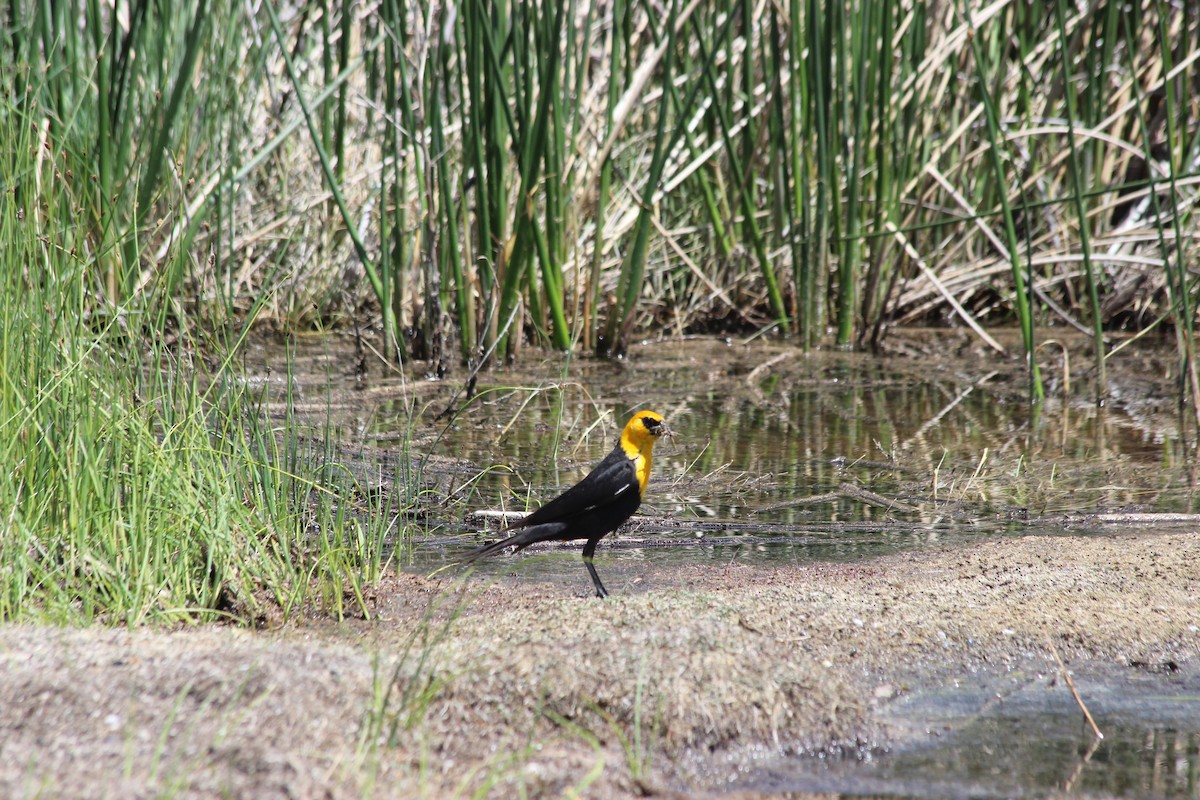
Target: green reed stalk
419,158
618,78
847,225
393,225
532,153
441,82
475,26
1077,191
1022,298
819,131
578,44
799,202
748,138
1180,293
464,266
700,179
103,207
395,255
343,63
53,51
372,57
498,125
331,179
157,155
21,58
529,165
550,236
749,212
326,46
775,64
629,286
886,206
432,256
898,160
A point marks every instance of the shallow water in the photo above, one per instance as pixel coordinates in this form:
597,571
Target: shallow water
824,456
1021,736
778,455
785,457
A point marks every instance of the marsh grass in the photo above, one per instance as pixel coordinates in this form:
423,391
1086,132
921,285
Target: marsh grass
483,177
571,175
143,480
880,149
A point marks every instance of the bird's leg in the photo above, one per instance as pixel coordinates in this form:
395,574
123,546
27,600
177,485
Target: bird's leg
601,592
589,550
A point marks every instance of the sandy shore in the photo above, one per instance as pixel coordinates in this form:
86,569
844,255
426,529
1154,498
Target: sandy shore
461,685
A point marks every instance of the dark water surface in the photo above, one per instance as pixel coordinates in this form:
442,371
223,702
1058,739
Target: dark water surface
1030,740
786,457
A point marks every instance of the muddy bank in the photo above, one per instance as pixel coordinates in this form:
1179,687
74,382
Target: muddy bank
466,685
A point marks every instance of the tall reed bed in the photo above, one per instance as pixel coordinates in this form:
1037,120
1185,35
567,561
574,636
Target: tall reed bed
825,169
487,174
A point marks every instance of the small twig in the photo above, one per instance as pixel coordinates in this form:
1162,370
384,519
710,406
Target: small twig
1083,762
1074,692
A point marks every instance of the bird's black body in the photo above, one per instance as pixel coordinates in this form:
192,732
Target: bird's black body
597,505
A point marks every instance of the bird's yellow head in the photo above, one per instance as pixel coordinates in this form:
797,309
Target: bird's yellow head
637,440
641,432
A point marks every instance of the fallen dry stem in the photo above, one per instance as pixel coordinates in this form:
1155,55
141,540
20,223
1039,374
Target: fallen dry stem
1062,668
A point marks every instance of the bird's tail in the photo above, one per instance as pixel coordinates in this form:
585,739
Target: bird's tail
488,549
518,538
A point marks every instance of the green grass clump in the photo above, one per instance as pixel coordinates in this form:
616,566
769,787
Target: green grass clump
140,485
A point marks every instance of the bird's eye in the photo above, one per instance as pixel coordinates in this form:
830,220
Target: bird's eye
651,423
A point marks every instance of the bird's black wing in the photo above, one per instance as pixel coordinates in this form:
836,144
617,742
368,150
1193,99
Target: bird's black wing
610,481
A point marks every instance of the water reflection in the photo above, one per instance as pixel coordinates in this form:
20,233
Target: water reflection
836,454
1009,736
934,448
1030,755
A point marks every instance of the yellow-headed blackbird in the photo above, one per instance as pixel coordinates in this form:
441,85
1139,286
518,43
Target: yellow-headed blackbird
599,503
